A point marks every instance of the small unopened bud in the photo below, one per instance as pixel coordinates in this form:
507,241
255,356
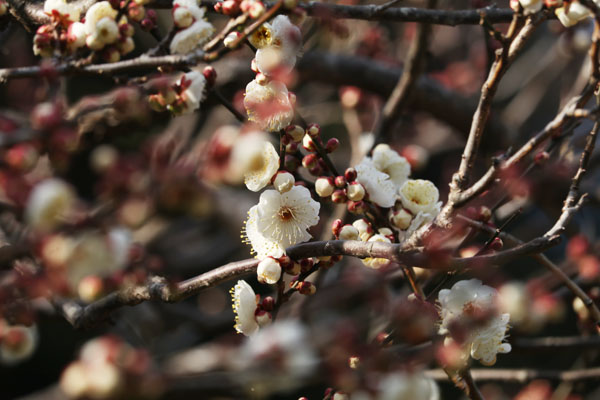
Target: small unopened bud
257,8
291,147
285,261
331,145
296,132
340,182
541,157
401,219
230,39
336,227
324,186
218,7
339,196
310,161
355,191
210,74
291,163
350,175
268,271
283,181
357,207
484,214
348,232
313,130
230,7
306,264
316,170
147,24
308,143
267,303
306,288
263,317
496,244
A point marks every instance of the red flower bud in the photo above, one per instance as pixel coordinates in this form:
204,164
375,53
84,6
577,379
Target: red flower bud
350,175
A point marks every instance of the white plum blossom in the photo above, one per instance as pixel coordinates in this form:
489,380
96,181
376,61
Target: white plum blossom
194,94
268,271
244,307
486,341
278,44
76,35
284,181
380,188
419,195
280,220
95,13
256,159
48,203
390,162
69,10
572,13
402,386
268,105
17,342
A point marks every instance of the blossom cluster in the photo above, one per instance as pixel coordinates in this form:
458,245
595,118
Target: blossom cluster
182,96
472,306
193,28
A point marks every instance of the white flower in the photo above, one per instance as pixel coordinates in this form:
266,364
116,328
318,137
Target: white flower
261,245
377,263
191,37
418,195
107,30
256,159
572,13
486,341
348,232
531,6
76,35
285,217
17,342
63,8
268,271
278,44
278,357
324,187
401,386
95,13
382,191
284,181
244,307
192,6
97,254
391,163
268,105
48,203
194,93
365,231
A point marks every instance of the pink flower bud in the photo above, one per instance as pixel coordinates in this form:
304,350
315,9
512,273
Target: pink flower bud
336,227
291,147
313,130
230,7
339,196
306,264
210,74
340,182
257,9
316,170
357,207
296,132
309,161
267,303
308,143
350,175
331,145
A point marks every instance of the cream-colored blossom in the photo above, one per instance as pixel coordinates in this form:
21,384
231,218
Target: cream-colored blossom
365,231
48,203
391,163
278,44
285,217
268,105
373,262
382,191
483,342
402,386
76,35
262,246
244,307
572,13
284,181
95,13
256,159
107,30
191,37
418,195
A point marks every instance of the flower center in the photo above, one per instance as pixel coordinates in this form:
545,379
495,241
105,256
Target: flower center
285,213
257,163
